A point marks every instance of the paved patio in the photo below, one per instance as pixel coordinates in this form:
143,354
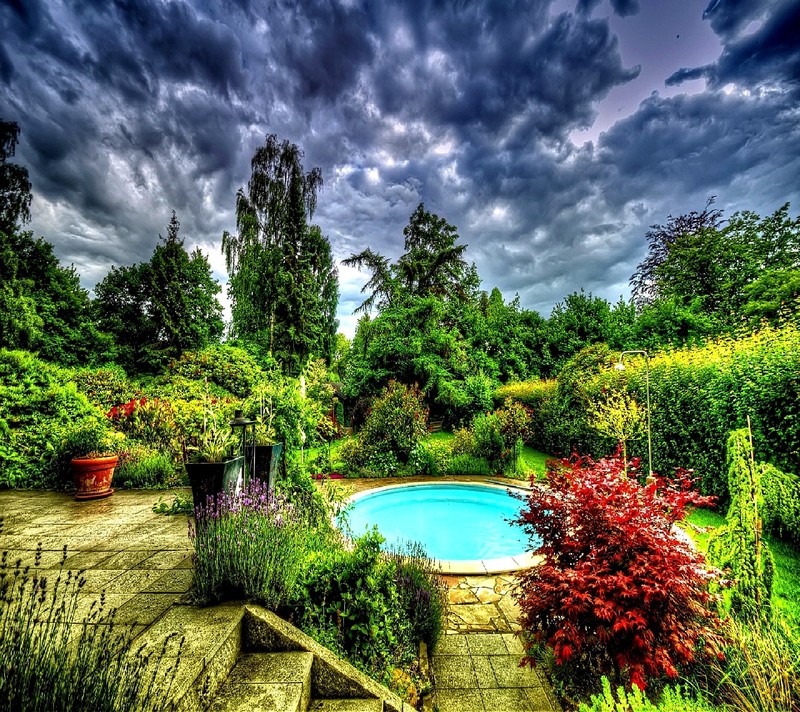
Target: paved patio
142,561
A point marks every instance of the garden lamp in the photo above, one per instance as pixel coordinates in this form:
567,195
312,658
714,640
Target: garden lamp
621,367
239,421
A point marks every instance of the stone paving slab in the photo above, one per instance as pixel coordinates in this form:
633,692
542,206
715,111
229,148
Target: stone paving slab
482,673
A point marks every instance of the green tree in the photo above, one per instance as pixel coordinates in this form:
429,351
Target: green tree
43,307
181,297
283,283
432,264
716,274
579,321
156,310
15,188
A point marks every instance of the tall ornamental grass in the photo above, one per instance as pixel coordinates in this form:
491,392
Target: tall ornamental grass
249,544
50,664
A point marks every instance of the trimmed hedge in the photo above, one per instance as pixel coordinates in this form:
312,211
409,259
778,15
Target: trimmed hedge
697,396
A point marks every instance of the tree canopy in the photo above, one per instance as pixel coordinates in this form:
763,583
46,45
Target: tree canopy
284,286
156,310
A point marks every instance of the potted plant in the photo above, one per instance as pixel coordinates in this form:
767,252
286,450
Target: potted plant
90,448
211,467
268,450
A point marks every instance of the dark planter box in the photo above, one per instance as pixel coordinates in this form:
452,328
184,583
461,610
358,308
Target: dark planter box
213,477
267,463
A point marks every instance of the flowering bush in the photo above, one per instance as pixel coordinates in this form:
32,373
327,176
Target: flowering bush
247,544
618,592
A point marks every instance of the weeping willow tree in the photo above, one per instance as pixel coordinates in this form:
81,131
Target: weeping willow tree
738,546
283,284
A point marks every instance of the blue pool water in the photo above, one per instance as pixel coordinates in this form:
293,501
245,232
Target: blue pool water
455,522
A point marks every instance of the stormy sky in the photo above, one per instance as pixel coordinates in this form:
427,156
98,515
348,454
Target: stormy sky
550,133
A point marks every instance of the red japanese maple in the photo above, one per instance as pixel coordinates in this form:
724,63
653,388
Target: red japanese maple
620,592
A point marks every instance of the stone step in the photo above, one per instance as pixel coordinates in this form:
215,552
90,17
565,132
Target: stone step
279,682
352,705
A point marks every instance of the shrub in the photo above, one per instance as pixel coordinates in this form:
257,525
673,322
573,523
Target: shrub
498,436
247,544
462,442
469,465
422,595
371,607
430,458
106,387
38,405
672,699
395,426
781,511
229,367
141,466
150,421
618,592
396,422
348,600
50,664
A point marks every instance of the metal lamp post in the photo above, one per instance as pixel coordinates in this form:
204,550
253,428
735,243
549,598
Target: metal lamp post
621,367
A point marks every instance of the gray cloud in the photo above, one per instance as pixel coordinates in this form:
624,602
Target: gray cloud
131,109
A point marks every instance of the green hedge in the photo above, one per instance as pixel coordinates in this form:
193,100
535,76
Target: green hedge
697,396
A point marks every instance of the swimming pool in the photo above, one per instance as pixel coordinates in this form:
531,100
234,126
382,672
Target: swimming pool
464,526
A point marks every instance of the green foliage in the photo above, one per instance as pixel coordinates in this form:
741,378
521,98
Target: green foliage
48,663
371,607
395,425
697,395
43,307
39,405
619,417
497,437
181,504
106,386
781,510
738,546
672,699
430,458
283,283
720,271
143,467
231,368
156,310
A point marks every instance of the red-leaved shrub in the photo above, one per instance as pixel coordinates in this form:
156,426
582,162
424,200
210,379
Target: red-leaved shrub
619,592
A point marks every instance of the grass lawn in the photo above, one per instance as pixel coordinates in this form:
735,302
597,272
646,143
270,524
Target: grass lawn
786,585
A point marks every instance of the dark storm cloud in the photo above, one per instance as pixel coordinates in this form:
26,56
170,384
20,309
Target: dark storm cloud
130,109
766,55
476,70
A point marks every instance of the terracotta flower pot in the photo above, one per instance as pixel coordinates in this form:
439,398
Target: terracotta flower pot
92,476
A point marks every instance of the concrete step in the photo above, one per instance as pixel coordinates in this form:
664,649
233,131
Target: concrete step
352,705
278,682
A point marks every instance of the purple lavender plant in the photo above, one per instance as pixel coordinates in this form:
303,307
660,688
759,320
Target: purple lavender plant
248,544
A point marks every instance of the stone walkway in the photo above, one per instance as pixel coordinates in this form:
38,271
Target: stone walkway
482,604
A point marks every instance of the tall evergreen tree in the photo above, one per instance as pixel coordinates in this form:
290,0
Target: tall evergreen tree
432,265
283,283
156,310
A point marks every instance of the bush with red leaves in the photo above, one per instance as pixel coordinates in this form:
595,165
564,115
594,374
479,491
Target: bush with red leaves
619,593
